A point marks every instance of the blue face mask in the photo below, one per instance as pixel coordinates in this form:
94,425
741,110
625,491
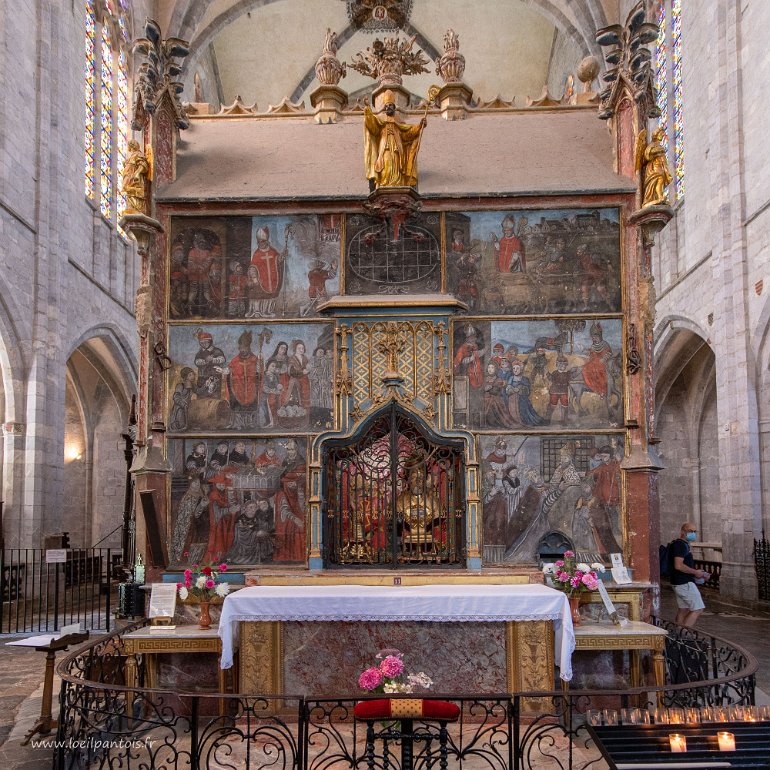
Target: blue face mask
691,536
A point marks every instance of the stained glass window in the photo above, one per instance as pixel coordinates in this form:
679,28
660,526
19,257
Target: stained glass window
668,83
105,201
676,60
661,72
123,126
90,94
107,125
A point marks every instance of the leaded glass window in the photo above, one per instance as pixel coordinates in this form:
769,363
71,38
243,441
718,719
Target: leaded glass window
107,122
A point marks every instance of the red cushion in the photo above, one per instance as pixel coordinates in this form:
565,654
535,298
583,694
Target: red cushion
407,708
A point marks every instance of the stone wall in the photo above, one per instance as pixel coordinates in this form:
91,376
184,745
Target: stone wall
709,263
66,274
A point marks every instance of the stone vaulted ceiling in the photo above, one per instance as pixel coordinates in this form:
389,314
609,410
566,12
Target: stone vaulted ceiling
265,50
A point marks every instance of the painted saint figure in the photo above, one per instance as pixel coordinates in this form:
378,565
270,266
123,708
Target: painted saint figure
290,506
509,250
209,360
269,264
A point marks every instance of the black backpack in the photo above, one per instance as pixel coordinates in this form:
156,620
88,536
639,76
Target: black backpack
665,561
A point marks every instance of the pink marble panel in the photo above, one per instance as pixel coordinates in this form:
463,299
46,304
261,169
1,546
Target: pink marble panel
325,659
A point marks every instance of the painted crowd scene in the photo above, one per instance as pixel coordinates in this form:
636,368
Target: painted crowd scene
538,375
534,262
238,500
544,491
253,267
250,378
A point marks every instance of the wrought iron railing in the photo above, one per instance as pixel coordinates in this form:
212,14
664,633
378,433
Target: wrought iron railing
762,567
104,724
714,568
43,595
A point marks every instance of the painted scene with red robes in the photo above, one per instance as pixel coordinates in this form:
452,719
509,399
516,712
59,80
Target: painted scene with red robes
238,500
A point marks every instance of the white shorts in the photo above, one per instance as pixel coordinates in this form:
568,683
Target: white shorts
688,597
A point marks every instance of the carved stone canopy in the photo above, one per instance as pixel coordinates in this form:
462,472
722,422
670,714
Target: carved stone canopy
629,64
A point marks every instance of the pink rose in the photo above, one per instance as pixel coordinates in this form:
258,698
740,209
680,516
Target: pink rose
575,582
178,586
223,567
563,577
578,573
210,583
590,581
568,554
188,582
370,679
392,666
188,573
559,563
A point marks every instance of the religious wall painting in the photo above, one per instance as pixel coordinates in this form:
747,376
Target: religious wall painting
535,262
393,256
541,490
253,267
253,378
241,500
538,375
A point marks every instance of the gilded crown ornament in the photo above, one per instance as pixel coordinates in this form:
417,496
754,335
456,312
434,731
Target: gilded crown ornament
388,60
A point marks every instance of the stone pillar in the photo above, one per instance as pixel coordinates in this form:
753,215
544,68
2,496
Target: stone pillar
739,450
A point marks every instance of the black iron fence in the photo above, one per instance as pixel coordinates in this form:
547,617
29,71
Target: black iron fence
104,724
762,567
42,594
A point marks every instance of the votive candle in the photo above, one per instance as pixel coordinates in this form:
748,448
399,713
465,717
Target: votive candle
678,743
726,741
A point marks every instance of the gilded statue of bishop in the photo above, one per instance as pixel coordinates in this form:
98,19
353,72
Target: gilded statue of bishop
390,147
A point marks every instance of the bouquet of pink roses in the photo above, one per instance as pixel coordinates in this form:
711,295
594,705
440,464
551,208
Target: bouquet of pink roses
573,577
390,676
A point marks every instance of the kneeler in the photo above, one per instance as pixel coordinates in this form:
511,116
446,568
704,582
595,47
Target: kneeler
405,711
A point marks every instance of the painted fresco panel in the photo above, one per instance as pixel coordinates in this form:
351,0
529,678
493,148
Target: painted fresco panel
392,256
539,492
538,375
242,500
250,378
533,262
252,267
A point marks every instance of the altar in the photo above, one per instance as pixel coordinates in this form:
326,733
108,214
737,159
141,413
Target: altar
318,638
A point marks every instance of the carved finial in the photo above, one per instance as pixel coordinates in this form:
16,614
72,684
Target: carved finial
587,71
328,69
389,60
158,74
629,64
451,65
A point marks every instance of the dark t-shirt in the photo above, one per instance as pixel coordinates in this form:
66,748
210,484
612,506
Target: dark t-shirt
681,548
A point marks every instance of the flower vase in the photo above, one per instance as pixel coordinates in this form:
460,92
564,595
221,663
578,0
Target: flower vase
574,606
204,620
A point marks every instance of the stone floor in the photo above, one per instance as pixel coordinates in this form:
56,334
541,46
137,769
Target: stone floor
21,674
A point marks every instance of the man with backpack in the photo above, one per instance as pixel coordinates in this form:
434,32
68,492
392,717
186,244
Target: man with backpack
684,577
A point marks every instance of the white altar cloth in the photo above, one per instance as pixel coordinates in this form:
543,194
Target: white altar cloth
438,603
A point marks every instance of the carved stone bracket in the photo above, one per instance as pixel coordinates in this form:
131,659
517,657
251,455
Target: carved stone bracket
390,202
650,221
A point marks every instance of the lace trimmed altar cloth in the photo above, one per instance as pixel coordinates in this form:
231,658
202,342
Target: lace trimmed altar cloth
438,603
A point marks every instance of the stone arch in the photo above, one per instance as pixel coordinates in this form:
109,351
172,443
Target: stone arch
686,423
99,385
